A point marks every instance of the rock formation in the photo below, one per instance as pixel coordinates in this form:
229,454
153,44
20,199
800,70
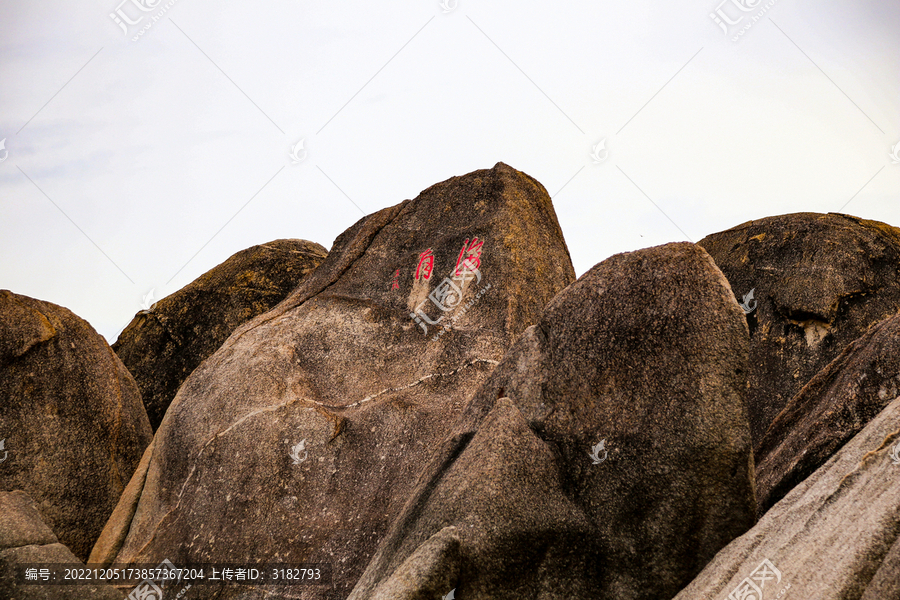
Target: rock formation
436,408
818,282
299,440
163,345
71,418
25,539
834,535
833,407
607,456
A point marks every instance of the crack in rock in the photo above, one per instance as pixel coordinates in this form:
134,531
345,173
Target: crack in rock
418,381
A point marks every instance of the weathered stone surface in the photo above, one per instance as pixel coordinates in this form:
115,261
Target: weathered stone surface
110,541
819,281
20,522
624,355
429,572
163,345
341,366
71,417
833,536
26,539
833,407
886,582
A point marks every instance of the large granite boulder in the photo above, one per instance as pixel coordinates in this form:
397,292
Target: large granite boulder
164,344
26,540
833,407
607,456
300,438
818,282
834,536
71,419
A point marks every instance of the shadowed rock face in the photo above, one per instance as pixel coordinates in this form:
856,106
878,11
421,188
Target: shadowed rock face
819,282
163,345
886,582
834,535
833,407
513,504
71,417
26,539
300,438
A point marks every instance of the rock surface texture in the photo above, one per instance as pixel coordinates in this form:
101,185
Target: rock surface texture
834,536
163,345
26,539
71,418
819,281
833,407
437,409
607,456
299,440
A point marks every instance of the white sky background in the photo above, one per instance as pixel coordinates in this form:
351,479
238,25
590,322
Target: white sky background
139,165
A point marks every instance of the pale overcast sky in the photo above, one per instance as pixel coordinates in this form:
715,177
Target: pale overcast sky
139,165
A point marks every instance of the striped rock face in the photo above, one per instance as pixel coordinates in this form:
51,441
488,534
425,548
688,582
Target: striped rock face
833,536
832,408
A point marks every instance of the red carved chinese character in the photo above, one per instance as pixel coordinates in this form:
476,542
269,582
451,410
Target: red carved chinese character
469,258
395,284
426,265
